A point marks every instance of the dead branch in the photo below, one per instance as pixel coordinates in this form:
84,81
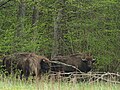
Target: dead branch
66,65
5,3
100,77
92,76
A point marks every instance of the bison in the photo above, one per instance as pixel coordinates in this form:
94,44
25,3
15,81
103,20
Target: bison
83,62
27,63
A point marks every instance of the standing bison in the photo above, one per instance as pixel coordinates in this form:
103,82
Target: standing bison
26,63
83,62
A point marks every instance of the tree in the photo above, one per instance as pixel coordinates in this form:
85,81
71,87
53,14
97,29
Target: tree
21,18
58,29
35,19
78,26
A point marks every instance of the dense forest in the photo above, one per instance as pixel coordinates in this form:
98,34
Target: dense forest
62,27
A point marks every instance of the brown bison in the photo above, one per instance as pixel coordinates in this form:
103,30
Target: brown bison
27,63
83,62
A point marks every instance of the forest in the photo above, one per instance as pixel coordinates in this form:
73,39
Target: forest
63,27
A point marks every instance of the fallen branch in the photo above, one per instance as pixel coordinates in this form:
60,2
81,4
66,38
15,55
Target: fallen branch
92,77
66,65
101,77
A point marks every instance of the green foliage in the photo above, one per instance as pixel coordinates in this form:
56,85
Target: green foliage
87,26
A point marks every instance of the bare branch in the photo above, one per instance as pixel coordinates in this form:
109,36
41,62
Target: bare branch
92,77
66,65
5,3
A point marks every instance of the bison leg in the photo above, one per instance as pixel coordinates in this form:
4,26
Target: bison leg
26,74
21,74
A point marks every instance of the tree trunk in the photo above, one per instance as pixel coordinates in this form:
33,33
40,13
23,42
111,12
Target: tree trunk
35,17
35,14
58,31
21,18
20,27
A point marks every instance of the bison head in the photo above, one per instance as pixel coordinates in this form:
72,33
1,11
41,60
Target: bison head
45,66
87,63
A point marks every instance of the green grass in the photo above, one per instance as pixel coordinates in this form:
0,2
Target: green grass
11,84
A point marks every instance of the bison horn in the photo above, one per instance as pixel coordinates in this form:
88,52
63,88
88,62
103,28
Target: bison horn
84,60
43,60
93,60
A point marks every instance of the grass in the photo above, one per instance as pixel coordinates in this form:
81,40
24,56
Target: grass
44,84
10,83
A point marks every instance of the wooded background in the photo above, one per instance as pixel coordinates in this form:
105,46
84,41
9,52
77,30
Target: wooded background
63,27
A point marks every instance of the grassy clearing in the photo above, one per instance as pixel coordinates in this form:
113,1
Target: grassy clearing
43,84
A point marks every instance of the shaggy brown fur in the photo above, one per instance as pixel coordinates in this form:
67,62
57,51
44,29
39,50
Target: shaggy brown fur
28,63
82,61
